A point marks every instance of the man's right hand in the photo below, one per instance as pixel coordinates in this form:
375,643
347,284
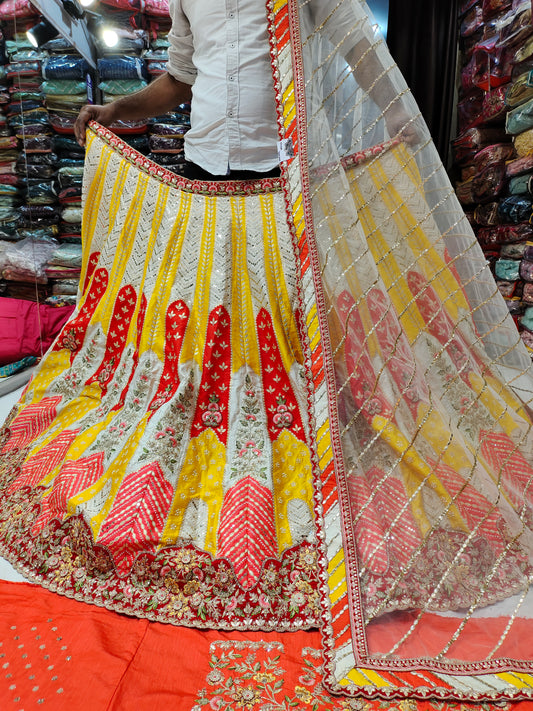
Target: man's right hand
92,112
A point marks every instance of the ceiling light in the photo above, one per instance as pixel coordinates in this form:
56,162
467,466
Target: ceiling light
41,33
86,3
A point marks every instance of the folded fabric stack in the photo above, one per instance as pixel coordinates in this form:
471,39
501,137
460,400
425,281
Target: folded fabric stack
141,56
64,67
494,149
122,70
17,16
30,212
166,132
9,185
67,81
157,20
119,75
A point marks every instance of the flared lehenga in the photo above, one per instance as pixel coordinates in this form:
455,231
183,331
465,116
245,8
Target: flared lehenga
171,414
291,403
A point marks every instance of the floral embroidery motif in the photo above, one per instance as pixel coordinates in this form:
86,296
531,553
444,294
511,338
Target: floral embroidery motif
212,405
283,417
250,439
212,417
171,429
446,556
179,584
280,401
253,676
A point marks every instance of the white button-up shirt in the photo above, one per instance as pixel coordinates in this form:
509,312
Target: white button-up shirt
221,48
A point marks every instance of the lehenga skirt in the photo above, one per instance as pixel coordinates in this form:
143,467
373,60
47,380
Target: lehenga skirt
159,460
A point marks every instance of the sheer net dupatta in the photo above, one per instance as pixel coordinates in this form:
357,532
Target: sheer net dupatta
422,385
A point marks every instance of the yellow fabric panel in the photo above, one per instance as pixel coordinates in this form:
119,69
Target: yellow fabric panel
366,677
153,334
244,344
337,577
292,477
201,476
193,348
281,308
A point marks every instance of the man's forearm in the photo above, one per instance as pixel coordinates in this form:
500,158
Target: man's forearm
371,75
160,96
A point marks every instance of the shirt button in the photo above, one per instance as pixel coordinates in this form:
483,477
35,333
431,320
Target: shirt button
232,78
231,15
230,113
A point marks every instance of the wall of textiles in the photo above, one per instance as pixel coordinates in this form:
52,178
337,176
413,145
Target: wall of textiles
41,164
493,151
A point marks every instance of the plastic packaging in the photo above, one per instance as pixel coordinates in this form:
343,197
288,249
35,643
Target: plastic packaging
61,87
39,215
67,255
29,256
122,67
513,251
494,108
71,214
523,143
70,195
521,185
491,7
470,142
122,87
519,166
526,271
515,209
472,21
506,288
64,66
487,215
527,294
487,71
166,144
507,269
41,194
33,129
520,118
38,144
469,110
520,91
65,286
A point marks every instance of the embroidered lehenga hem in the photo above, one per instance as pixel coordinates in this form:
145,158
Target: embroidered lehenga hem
291,403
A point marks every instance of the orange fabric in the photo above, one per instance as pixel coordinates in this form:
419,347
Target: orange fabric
433,633
60,654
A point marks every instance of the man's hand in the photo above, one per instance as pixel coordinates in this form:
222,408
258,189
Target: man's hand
401,125
92,112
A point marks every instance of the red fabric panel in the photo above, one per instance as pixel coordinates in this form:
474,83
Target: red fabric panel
25,326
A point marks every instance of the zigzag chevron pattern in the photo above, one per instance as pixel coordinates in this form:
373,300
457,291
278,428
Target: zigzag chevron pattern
74,477
135,523
31,422
516,474
44,462
474,507
246,534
